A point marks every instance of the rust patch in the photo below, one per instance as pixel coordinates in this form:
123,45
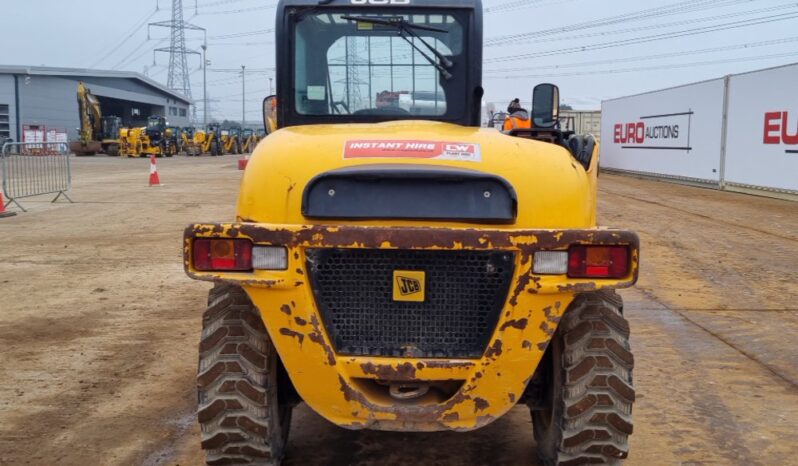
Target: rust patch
300,321
443,364
526,242
410,238
480,404
451,417
511,397
495,350
290,333
544,325
285,309
418,415
526,344
551,316
523,281
317,337
578,287
519,324
402,372
543,345
299,271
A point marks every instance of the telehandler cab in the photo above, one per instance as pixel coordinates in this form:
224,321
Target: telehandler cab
397,267
157,138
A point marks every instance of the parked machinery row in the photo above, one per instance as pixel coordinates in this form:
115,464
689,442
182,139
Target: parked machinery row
217,141
106,134
159,139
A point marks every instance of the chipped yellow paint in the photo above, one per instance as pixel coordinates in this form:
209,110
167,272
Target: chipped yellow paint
334,385
556,207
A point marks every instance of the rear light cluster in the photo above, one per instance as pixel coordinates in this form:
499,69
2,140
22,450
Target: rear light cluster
236,255
584,261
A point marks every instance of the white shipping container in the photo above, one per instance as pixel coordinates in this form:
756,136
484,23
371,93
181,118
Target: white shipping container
672,133
582,121
762,132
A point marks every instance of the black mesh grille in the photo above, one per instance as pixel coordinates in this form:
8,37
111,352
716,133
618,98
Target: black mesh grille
465,291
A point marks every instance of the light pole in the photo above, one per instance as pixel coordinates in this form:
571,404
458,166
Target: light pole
243,96
204,86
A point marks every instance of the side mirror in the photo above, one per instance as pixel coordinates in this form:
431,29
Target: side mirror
270,114
545,105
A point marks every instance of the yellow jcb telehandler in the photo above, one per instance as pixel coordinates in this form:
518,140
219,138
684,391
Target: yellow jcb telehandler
157,139
395,266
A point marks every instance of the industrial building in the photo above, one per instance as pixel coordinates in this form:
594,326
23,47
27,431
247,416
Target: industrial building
46,98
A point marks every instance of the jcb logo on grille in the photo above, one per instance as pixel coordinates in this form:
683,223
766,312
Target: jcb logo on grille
408,285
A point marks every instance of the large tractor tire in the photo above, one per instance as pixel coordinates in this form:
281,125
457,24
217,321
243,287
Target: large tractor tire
588,396
241,417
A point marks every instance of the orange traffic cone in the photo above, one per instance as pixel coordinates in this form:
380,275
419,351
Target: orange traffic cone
3,211
154,180
242,163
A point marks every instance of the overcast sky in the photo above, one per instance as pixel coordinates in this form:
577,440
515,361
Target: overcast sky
642,45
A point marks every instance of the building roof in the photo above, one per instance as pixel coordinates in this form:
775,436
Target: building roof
79,72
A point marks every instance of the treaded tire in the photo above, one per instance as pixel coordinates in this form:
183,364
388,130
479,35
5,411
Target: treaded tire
588,415
241,420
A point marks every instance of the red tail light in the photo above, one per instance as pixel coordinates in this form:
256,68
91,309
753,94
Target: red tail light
598,261
222,254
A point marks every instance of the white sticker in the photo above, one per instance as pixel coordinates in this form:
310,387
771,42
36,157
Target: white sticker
316,92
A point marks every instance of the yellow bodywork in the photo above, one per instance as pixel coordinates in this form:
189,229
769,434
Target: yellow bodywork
134,142
556,209
131,142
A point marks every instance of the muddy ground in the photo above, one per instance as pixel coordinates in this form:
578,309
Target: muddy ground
99,328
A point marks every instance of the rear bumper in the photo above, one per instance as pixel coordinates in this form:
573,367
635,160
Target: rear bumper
343,389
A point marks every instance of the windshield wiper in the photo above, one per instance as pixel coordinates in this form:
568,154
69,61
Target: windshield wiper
404,27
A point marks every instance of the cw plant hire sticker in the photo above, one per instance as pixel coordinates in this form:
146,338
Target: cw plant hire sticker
437,150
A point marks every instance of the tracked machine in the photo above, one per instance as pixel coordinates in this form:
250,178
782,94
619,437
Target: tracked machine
395,266
97,133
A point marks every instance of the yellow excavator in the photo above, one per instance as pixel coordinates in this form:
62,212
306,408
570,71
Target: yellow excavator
98,134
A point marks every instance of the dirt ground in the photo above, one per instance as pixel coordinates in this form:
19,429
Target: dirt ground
99,328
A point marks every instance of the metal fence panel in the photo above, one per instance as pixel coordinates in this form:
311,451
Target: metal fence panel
35,169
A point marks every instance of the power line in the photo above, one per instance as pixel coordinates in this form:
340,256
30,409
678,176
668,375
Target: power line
516,4
725,48
242,34
647,27
675,8
217,3
240,10
650,38
135,29
124,60
652,68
